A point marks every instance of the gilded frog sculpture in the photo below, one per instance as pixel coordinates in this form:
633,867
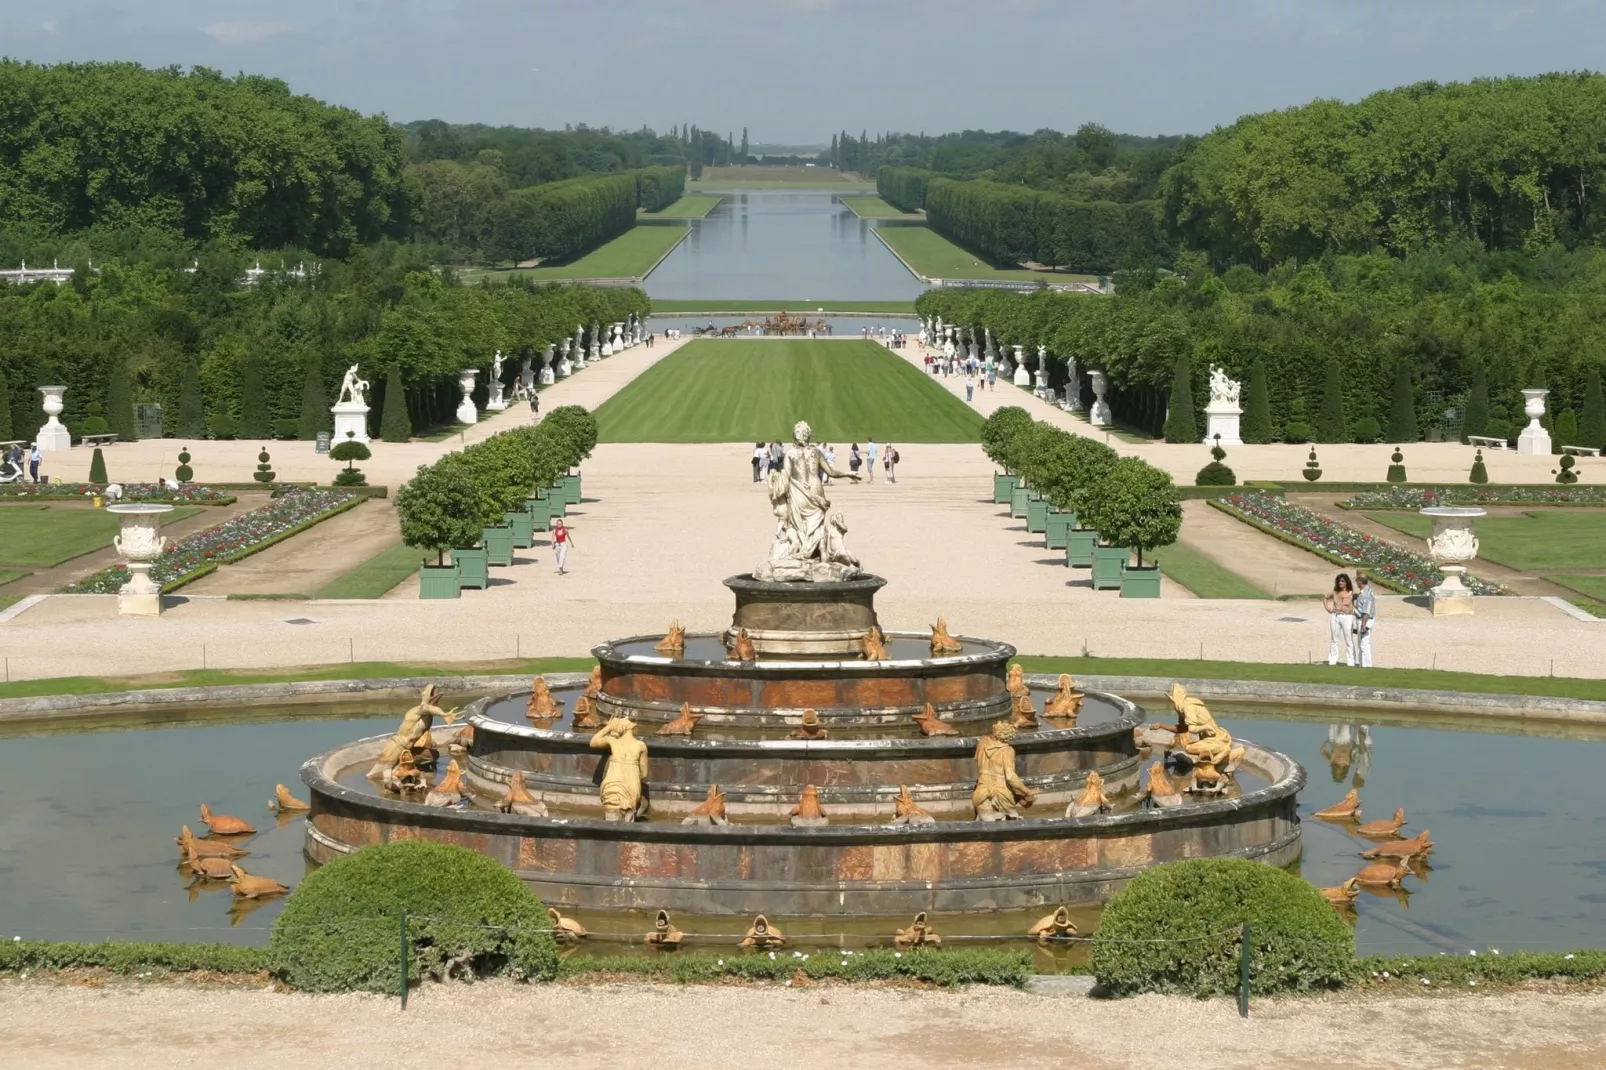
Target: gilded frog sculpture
711,811
905,811
918,934
223,824
518,800
673,644
1091,800
1066,702
942,642
682,725
808,812
931,725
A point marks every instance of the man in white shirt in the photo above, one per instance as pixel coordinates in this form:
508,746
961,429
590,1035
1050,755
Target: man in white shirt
869,457
1365,614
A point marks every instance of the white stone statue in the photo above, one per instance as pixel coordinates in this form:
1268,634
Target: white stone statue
809,539
1041,379
353,389
1224,414
494,401
1223,391
496,365
1073,386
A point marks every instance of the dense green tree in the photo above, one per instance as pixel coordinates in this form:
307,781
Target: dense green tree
1331,426
394,423
1476,420
314,401
120,402
1565,433
1181,422
1256,426
1592,420
5,406
97,468
1136,505
1402,405
438,510
191,408
256,422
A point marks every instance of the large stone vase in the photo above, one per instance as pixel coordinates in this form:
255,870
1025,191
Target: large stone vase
139,542
1452,545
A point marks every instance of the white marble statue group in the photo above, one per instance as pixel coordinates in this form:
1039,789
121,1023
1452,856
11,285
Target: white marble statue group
809,543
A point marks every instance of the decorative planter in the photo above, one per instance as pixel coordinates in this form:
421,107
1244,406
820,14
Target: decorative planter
498,545
1140,582
1037,516
471,568
1079,546
1018,498
556,504
440,581
1057,529
540,514
523,530
1108,564
571,488
139,542
1003,485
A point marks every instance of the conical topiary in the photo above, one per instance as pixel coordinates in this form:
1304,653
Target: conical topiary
1256,426
191,410
255,419
1566,430
1313,469
394,423
314,402
1480,474
184,473
1402,411
1567,475
97,468
263,474
1476,420
1216,474
1331,426
1592,420
119,403
1181,423
1397,468
5,407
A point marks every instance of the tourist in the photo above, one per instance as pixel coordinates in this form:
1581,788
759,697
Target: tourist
759,455
854,460
992,376
777,456
970,387
869,458
1340,605
1365,614
562,539
830,462
35,458
535,402
891,463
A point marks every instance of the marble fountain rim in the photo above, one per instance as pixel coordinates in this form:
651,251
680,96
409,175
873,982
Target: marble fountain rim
606,654
746,581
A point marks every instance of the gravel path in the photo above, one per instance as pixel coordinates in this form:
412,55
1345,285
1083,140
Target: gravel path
820,1028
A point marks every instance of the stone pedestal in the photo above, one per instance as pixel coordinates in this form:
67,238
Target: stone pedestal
1452,545
495,402
1022,376
466,412
804,620
351,421
1534,439
139,542
54,436
547,376
1041,376
1222,418
1099,414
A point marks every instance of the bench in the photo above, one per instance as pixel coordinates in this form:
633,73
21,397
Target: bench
8,443
98,440
1581,451
1486,442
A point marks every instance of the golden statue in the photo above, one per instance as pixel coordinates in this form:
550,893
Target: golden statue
1346,809
1160,790
518,800
585,714
999,791
1023,715
594,683
664,934
450,790
1407,849
762,936
711,811
248,886
1092,799
1055,926
1382,874
223,824
742,648
942,642
674,641
1343,895
931,725
810,727
284,802
404,777
1016,681
1198,734
425,752
543,708
918,934
415,722
207,848
624,796
1372,830
460,743
682,725
1067,701
565,930
905,811
212,869
807,812
874,645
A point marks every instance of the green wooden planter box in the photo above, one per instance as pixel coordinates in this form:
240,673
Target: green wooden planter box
540,515
571,488
1019,498
1140,582
523,530
1079,544
1108,564
471,567
1003,485
552,499
498,545
439,581
1057,530
1037,516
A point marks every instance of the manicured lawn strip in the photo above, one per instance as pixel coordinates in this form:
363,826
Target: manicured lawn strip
9,600
689,207
1394,496
9,574
758,186
444,433
935,257
875,208
1203,576
1591,592
377,575
360,670
780,305
1539,540
746,390
48,536
1296,673
629,256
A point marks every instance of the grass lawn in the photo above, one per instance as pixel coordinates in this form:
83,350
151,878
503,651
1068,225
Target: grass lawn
756,177
7,574
1591,590
746,390
691,207
781,305
935,257
377,575
443,433
1203,576
629,256
875,208
30,535
1543,539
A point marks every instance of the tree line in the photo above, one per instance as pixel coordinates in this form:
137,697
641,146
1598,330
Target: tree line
1016,225
561,220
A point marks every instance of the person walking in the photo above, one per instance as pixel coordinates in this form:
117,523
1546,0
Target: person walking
35,458
1340,605
869,457
970,387
562,539
992,376
854,459
759,456
830,462
891,463
535,403
1365,615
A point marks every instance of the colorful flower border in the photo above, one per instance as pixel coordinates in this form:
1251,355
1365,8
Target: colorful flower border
187,493
1419,497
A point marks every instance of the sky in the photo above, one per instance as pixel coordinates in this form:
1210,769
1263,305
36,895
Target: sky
795,71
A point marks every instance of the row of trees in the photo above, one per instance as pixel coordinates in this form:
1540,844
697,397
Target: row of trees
1014,225
530,157
1451,334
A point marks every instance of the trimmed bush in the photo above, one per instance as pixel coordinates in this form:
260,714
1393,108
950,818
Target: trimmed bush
1331,426
255,420
314,401
1566,474
1216,474
97,467
1397,466
184,473
395,425
1476,420
1566,432
119,403
1299,943
1298,429
468,914
5,406
191,413
1313,469
577,425
1480,474
1402,408
285,428
350,451
128,956
1592,420
1181,423
264,472
93,425
1256,427
1000,429
221,425
1135,505
945,967
1367,430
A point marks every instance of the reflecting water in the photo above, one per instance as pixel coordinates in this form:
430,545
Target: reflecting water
794,245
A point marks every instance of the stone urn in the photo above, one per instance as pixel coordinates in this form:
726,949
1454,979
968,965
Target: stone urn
1023,375
1451,546
139,542
1534,439
466,412
1099,414
54,434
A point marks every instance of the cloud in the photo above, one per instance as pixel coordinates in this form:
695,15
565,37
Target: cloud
50,26
239,32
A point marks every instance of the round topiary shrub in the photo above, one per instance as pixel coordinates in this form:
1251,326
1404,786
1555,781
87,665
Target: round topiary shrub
1480,473
1174,929
467,916
1313,468
1566,474
1216,474
184,472
1396,473
1367,430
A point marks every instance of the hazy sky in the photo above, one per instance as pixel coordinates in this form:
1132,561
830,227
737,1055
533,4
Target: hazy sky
794,71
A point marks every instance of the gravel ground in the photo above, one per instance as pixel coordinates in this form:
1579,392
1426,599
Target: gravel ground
821,1027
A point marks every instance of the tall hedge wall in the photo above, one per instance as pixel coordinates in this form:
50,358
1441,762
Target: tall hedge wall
1015,224
562,220
659,187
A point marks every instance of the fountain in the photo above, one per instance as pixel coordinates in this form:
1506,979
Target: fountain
139,542
808,780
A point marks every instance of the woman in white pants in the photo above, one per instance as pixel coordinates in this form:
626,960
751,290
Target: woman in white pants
1340,605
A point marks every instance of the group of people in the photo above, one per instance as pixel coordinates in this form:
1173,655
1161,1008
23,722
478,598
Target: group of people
15,458
1352,614
771,457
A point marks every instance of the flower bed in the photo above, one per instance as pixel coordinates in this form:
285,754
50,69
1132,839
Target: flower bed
1389,564
196,555
1418,497
191,493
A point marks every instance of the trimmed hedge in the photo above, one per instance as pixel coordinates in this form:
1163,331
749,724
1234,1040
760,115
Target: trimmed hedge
945,967
129,956
1493,968
998,431
1174,929
341,929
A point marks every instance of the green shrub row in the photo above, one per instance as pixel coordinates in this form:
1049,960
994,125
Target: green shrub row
659,187
1015,224
945,966
562,220
120,956
1491,967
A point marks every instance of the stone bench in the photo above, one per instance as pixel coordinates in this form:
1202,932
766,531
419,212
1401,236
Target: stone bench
98,440
1486,442
1581,451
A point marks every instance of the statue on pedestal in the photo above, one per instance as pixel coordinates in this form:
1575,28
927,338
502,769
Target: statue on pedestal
352,389
624,796
809,539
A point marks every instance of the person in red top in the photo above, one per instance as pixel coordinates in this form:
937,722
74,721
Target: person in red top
562,539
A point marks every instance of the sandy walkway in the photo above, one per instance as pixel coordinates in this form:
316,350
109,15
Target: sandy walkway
821,1027
1274,565
311,560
